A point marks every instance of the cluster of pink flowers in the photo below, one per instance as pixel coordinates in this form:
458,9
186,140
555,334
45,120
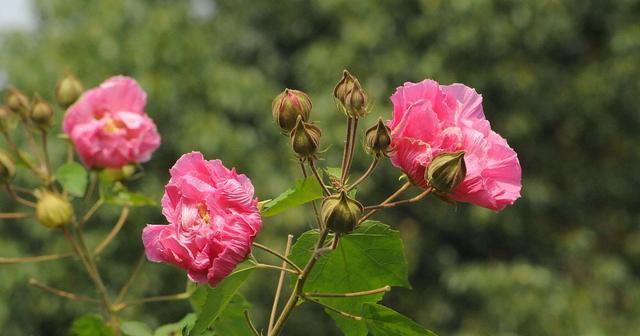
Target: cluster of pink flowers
213,219
429,119
109,127
212,212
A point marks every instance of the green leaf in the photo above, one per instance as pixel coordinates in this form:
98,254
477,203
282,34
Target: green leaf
383,321
90,325
135,328
232,322
370,257
129,198
73,178
218,298
335,172
304,191
176,329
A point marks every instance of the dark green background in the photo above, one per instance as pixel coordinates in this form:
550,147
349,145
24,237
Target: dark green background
560,81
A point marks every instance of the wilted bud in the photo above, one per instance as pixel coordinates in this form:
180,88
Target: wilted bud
288,106
340,213
351,96
7,168
378,139
52,210
305,139
68,90
446,171
41,113
17,102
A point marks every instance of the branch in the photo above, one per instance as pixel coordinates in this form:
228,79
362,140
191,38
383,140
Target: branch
67,295
352,294
276,299
277,254
112,234
40,258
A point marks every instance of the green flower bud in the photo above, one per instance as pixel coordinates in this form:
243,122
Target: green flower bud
378,139
52,210
350,95
446,171
7,168
305,139
68,90
17,102
6,119
119,174
41,113
341,213
288,106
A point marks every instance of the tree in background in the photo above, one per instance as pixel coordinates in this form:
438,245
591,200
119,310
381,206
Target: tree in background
559,79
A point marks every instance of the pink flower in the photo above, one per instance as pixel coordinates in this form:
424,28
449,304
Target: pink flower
213,218
109,127
429,118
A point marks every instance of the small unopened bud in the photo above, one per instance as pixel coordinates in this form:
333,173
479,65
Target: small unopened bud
351,96
288,106
68,90
378,139
17,102
341,213
119,174
52,210
41,113
305,139
6,119
7,168
446,171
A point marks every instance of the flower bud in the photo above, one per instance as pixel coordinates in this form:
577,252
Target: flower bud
351,96
68,90
288,106
341,213
52,210
119,174
378,139
305,139
41,113
7,168
446,171
17,102
6,119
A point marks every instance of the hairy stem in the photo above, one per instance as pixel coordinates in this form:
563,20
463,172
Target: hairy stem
345,152
313,203
276,298
366,174
15,215
393,196
40,258
352,294
112,234
298,289
17,198
67,295
314,169
279,255
352,142
125,289
345,314
250,324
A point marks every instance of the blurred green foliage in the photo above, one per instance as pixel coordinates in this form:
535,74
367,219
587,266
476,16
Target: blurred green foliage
560,81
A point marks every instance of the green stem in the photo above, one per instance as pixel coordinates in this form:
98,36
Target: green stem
366,174
298,289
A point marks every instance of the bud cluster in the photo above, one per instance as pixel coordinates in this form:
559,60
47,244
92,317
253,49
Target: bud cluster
351,98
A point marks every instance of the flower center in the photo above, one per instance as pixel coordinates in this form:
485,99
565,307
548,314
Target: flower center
112,126
203,212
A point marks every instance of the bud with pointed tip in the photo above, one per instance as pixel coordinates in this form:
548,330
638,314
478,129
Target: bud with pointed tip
378,139
7,168
341,213
52,210
446,171
41,113
68,90
351,96
17,102
305,139
288,106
